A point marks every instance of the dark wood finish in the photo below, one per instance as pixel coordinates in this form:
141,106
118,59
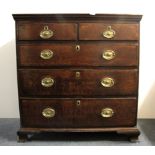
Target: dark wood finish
83,17
22,137
93,31
87,114
119,130
89,83
90,54
130,132
62,31
86,31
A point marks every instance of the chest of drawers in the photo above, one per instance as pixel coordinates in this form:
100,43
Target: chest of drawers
77,73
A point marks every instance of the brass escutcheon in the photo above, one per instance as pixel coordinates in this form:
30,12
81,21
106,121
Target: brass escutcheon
77,47
46,54
47,82
78,102
107,82
107,112
109,33
77,75
48,112
46,33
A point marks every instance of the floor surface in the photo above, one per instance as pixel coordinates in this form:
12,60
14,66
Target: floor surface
8,128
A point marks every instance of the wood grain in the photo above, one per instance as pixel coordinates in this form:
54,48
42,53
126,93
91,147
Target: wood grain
89,83
93,31
86,31
90,54
62,31
87,114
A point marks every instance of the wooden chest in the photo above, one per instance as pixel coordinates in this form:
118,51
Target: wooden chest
77,73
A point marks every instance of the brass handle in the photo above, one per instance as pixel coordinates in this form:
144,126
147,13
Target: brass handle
46,33
109,33
48,112
77,47
47,82
107,112
108,54
46,54
107,82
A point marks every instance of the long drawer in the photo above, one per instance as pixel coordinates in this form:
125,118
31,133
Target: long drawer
81,54
77,82
116,112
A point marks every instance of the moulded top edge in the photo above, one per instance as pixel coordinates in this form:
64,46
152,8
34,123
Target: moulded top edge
122,17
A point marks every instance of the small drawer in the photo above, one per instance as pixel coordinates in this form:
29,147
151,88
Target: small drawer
46,31
108,31
78,82
93,112
87,54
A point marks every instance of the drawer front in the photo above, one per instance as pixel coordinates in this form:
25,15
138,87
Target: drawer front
88,54
78,112
47,31
110,31
78,82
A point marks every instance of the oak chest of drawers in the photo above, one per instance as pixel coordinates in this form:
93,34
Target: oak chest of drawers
77,73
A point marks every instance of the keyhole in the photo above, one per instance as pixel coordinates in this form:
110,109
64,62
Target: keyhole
77,75
77,47
45,27
78,102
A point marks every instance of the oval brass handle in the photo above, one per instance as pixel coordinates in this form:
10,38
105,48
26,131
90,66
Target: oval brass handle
46,54
109,33
46,33
47,82
107,82
108,54
77,47
107,112
48,112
